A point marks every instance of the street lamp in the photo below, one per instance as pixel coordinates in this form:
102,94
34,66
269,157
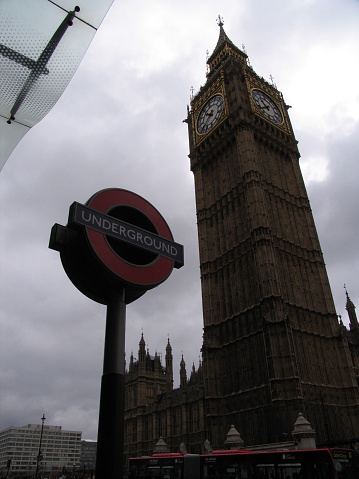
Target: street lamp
8,465
39,454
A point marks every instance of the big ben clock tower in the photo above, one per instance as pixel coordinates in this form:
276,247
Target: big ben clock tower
272,345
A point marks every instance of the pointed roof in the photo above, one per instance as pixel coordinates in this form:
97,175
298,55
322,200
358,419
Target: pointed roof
182,363
223,37
225,47
142,347
183,449
349,304
207,448
233,440
350,307
160,447
302,428
168,347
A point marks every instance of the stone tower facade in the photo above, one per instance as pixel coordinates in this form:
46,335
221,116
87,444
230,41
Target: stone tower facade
274,353
273,345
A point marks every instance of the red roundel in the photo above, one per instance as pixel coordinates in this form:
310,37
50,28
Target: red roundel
148,275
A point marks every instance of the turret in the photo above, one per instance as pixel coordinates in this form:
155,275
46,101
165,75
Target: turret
157,363
303,433
193,374
142,353
183,375
131,363
351,312
200,373
169,367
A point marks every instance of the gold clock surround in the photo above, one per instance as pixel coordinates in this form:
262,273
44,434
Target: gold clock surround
256,83
198,104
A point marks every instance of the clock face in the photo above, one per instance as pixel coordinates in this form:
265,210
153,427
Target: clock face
210,114
267,106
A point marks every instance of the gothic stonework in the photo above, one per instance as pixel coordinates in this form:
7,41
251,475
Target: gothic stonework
154,409
272,343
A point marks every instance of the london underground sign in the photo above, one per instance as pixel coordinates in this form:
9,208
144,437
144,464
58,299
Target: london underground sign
117,239
107,225
114,248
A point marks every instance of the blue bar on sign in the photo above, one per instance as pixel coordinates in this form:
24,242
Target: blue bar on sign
126,232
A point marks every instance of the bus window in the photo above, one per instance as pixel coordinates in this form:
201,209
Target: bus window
294,471
210,471
346,469
154,471
137,471
346,463
221,470
163,472
167,472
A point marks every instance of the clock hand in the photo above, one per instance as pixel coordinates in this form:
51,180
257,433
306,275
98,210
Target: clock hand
264,105
208,116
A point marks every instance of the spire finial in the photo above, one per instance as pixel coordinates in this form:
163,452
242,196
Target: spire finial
245,51
220,21
346,291
272,81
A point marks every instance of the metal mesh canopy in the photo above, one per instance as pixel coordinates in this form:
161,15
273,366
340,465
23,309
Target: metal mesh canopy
41,46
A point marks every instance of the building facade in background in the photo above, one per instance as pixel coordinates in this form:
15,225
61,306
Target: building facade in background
273,346
88,457
154,409
60,450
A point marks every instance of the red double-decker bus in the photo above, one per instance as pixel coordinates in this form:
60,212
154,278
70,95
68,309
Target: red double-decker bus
321,463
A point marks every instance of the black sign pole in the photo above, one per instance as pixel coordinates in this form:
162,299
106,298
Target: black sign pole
100,272
110,440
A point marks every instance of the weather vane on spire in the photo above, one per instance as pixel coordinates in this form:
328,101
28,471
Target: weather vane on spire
220,21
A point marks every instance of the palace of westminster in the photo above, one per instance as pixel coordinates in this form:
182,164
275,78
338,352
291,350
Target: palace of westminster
273,346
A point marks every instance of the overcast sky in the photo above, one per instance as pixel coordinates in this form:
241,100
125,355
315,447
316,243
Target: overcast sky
119,124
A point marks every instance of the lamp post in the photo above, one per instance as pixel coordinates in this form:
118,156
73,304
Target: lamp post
39,454
8,465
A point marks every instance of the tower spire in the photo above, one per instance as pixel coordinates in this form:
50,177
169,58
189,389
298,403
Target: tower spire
225,47
183,374
222,34
169,366
351,312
